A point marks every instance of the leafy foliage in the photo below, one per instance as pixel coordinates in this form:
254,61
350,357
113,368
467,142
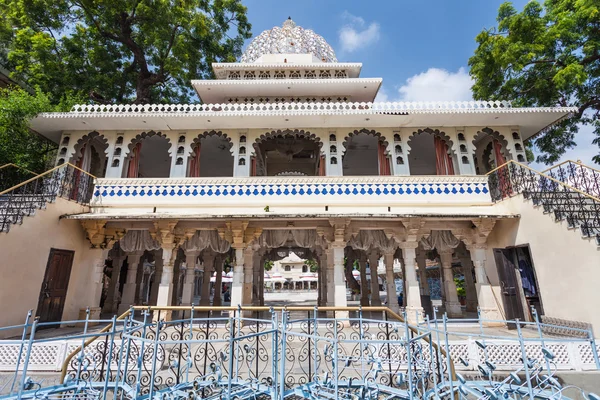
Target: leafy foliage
18,144
312,265
544,56
269,265
141,51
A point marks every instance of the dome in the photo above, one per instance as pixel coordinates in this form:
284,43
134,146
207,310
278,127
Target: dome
289,39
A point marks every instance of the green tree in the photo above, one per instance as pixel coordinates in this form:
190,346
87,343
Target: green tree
18,143
140,51
544,56
269,265
312,265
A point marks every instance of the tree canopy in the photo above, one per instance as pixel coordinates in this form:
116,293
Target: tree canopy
544,56
139,51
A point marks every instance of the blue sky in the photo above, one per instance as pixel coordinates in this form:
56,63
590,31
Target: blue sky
420,48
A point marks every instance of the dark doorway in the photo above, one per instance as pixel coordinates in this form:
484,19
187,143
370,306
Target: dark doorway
54,287
508,285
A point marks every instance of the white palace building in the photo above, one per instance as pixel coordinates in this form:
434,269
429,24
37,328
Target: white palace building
287,152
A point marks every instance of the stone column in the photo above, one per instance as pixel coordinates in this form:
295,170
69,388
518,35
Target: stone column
187,298
414,309
209,260
392,296
373,262
485,296
364,286
323,279
112,297
97,275
128,297
339,279
237,286
422,263
165,289
330,277
248,277
261,300
452,304
467,269
256,270
158,269
217,300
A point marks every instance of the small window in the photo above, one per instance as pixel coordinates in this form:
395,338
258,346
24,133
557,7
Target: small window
398,148
516,136
242,150
243,138
288,268
399,160
397,137
182,139
333,149
180,150
116,162
518,147
520,158
117,152
242,161
65,141
465,159
332,138
63,151
119,140
463,148
61,161
333,160
179,161
305,268
461,137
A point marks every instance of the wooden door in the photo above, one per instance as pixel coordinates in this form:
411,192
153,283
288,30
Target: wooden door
508,285
54,287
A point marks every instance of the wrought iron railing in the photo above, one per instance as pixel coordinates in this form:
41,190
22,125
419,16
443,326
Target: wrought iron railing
285,353
22,200
579,208
12,174
576,175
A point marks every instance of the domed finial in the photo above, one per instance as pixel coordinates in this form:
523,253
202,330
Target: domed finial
289,23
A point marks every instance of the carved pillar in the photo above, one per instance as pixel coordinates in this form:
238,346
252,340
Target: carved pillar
485,296
208,256
452,304
128,297
323,278
392,296
165,289
237,286
248,277
112,297
373,261
339,279
364,285
158,269
330,278
425,294
467,269
187,298
414,309
256,271
217,298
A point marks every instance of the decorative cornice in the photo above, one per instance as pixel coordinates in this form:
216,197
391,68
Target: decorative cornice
286,66
311,180
316,108
283,82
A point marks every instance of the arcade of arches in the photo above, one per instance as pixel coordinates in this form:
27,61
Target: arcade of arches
226,265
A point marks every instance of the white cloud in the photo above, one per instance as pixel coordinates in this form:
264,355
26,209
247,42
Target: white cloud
437,84
356,35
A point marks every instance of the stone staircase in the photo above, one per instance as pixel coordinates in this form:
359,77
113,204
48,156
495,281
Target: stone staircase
24,199
570,197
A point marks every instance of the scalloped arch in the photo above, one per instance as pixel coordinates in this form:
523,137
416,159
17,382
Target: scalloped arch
87,138
138,138
435,132
206,134
372,132
295,132
496,135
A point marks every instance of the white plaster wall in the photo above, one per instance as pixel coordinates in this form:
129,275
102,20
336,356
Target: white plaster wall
567,266
24,255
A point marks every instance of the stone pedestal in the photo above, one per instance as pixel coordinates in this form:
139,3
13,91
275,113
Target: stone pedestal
94,315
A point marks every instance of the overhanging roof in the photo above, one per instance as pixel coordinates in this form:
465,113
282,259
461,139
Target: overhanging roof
220,91
182,117
352,69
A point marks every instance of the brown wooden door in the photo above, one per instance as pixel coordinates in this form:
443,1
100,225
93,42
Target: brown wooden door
55,284
508,285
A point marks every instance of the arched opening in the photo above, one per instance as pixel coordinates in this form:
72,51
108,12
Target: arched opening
399,160
490,150
365,154
281,152
211,156
431,153
149,156
90,154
